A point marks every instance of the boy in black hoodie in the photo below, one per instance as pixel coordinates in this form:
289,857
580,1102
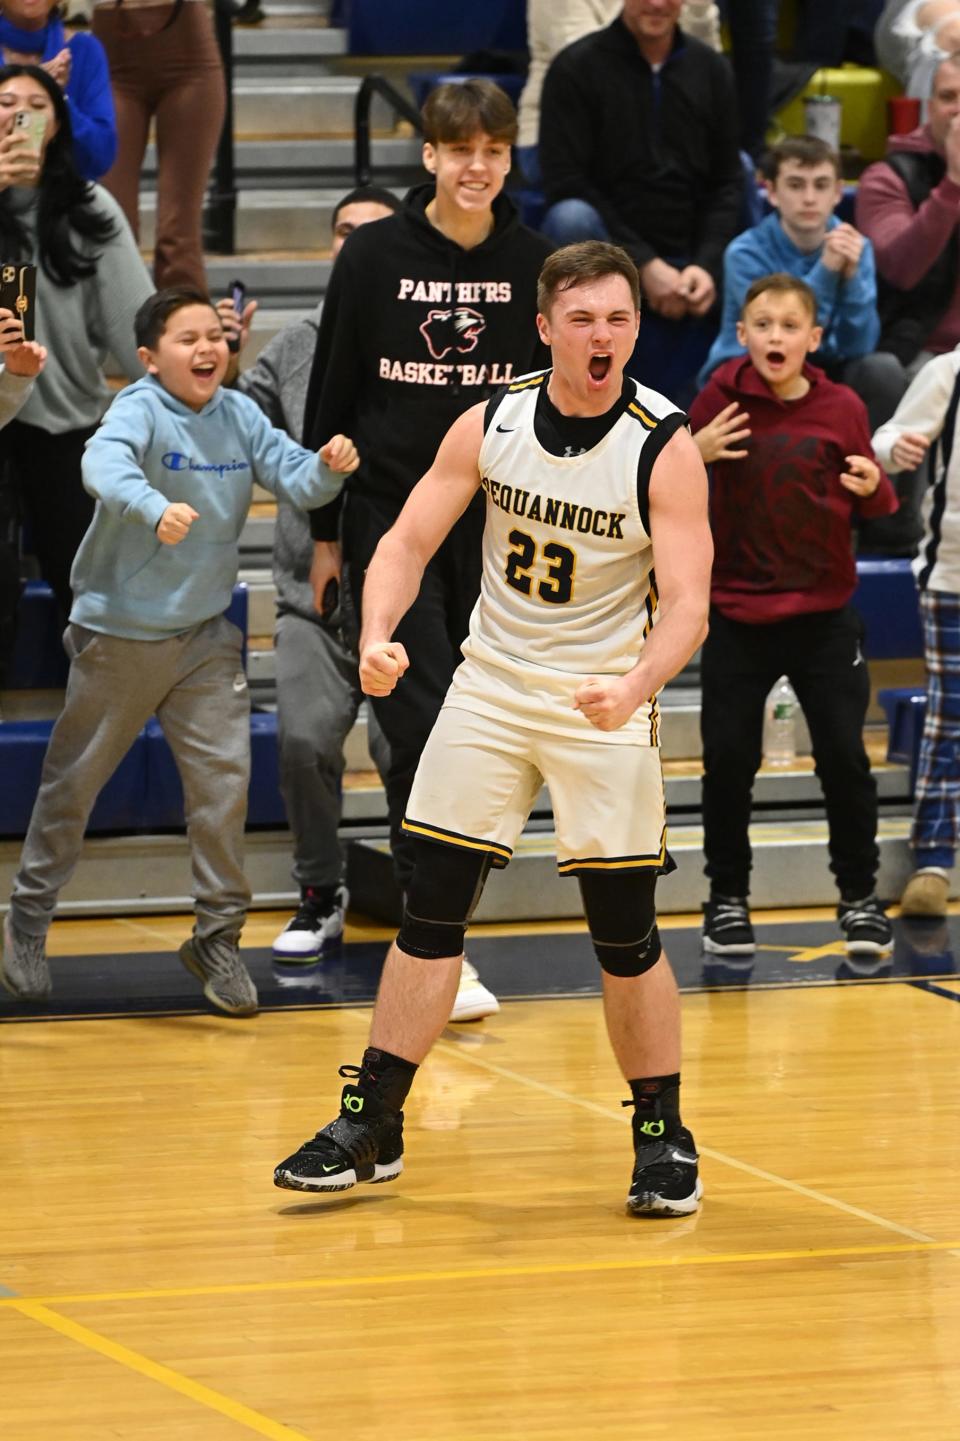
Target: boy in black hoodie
427,313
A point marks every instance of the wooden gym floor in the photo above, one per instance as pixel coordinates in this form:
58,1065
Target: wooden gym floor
154,1284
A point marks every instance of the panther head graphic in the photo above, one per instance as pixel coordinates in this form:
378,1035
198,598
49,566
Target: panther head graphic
458,329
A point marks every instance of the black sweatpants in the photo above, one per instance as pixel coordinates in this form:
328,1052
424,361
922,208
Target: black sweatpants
432,632
53,502
822,657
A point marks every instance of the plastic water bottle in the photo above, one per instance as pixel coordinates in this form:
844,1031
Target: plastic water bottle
780,725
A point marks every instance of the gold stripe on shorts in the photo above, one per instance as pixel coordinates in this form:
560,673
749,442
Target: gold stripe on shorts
451,838
616,863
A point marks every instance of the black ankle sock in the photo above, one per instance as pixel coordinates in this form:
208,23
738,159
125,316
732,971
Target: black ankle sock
389,1077
657,1098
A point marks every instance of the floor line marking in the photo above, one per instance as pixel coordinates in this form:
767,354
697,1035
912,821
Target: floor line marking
721,1156
935,990
154,1371
482,1273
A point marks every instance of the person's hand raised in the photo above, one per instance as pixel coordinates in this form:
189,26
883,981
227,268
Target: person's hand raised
714,439
59,67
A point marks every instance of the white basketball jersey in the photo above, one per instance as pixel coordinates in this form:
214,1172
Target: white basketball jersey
568,588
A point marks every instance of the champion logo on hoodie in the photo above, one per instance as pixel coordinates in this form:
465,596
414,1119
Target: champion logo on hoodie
176,460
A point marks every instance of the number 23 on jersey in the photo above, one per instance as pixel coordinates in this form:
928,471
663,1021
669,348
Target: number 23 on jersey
555,568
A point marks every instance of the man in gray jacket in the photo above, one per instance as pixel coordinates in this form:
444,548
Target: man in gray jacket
318,689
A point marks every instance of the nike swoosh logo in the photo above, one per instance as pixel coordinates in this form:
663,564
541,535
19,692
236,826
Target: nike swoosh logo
506,429
334,1167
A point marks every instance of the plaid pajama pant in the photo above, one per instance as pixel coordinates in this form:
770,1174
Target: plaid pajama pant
936,817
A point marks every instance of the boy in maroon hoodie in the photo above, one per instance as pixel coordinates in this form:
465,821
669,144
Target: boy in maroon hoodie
792,468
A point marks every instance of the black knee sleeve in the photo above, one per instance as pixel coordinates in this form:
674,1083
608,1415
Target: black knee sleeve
622,917
446,886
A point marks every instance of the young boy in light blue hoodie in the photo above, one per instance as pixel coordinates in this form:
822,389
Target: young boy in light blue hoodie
804,238
172,469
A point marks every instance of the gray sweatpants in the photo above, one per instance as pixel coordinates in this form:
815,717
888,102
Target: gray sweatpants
195,685
318,695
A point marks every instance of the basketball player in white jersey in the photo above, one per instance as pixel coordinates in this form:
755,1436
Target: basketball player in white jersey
590,478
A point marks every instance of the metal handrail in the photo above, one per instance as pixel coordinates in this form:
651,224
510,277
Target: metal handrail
370,86
220,214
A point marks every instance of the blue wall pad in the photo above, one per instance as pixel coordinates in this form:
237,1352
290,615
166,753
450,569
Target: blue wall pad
906,710
39,661
23,745
886,598
431,27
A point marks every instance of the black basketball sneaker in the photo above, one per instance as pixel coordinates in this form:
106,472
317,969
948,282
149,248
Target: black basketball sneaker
364,1143
665,1180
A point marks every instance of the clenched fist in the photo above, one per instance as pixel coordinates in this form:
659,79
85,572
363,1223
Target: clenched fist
381,666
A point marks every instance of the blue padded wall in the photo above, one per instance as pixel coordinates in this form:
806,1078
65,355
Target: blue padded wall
23,744
886,598
432,27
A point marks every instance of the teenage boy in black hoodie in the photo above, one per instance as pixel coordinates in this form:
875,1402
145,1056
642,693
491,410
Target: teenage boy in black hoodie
427,313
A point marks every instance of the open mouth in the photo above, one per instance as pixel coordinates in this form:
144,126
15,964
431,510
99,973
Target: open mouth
775,357
203,372
600,367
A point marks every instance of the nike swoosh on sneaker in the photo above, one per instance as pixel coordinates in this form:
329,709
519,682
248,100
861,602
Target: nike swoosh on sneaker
334,1167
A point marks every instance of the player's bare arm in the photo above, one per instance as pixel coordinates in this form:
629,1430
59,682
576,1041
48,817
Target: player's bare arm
393,579
682,556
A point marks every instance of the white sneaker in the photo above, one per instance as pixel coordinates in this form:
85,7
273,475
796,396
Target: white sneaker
312,931
473,1001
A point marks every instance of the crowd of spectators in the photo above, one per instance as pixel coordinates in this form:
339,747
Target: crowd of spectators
638,130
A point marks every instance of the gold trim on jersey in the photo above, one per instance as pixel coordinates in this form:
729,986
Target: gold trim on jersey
451,838
622,863
527,384
651,600
649,422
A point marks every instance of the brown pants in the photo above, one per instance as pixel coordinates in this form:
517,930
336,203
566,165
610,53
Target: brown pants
174,76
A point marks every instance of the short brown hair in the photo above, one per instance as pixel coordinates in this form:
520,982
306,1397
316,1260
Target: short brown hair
581,263
461,108
805,149
781,283
150,321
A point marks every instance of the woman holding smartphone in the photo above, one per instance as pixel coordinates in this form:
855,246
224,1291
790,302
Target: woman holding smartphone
90,281
32,33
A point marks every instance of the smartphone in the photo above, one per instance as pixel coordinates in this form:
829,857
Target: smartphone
34,125
18,292
238,294
331,598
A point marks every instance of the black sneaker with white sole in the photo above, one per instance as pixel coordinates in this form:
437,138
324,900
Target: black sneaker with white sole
727,930
315,930
866,928
665,1179
364,1143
